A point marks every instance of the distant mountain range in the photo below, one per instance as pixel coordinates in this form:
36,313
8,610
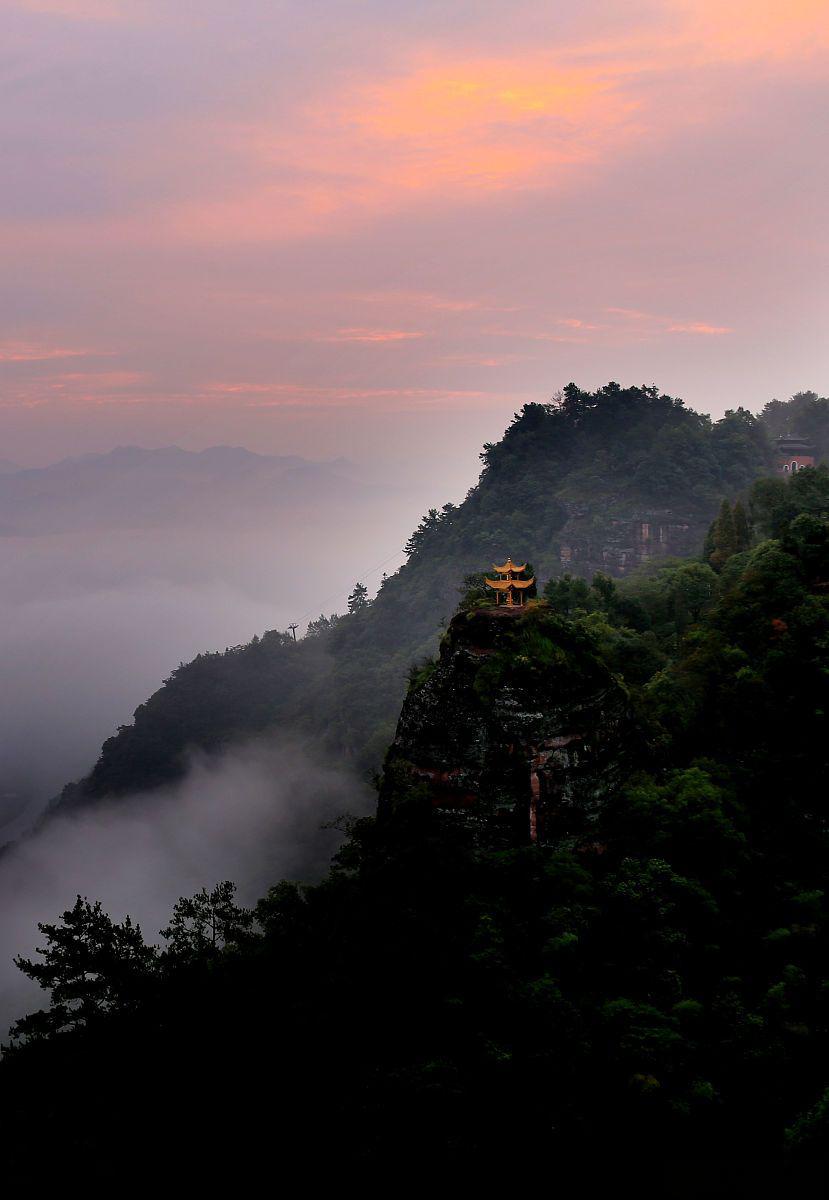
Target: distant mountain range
132,487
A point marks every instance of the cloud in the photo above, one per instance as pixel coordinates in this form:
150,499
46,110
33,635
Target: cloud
699,327
94,381
575,323
252,814
464,129
235,198
23,352
651,324
743,30
371,335
620,326
484,123
430,125
419,124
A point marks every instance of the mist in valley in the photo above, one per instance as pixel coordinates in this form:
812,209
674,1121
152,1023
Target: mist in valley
115,568
261,811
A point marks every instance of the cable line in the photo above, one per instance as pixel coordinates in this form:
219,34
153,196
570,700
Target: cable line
334,595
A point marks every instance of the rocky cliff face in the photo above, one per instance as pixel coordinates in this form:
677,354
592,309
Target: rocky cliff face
518,728
592,541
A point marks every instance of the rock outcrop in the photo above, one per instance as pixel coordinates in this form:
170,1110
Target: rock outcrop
518,729
618,542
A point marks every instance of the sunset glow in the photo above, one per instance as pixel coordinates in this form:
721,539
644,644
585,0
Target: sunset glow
404,213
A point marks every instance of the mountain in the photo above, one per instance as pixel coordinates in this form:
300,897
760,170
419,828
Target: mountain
134,488
642,969
598,481
513,687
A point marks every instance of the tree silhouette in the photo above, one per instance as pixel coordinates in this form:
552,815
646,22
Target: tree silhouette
358,600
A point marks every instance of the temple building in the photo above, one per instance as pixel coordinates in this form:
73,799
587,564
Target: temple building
509,588
793,454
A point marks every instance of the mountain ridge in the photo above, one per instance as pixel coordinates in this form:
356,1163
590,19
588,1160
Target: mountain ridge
611,455
644,969
131,486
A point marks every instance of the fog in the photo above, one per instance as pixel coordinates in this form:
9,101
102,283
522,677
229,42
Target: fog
116,568
253,815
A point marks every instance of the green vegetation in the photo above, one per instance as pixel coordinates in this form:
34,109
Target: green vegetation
806,415
592,461
657,988
729,534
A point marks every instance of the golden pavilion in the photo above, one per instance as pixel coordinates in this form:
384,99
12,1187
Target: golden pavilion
508,587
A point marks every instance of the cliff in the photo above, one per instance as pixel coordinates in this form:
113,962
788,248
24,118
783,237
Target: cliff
592,540
599,481
519,729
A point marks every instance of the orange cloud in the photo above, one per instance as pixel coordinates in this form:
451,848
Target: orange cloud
653,323
371,335
441,127
699,327
435,128
741,30
73,388
441,131
623,325
95,380
460,97
576,323
477,124
19,352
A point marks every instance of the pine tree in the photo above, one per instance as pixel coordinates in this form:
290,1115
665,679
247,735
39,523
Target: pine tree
724,537
204,924
742,529
91,965
358,600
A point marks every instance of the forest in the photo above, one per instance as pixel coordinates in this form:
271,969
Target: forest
594,460
656,984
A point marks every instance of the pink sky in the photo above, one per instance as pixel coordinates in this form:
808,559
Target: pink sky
376,229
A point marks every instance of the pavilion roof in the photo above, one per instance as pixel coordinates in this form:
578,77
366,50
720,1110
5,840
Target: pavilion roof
503,585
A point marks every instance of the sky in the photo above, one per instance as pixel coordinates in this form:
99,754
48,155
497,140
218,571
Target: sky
376,229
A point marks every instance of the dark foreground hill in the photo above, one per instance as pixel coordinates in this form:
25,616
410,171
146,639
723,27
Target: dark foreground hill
598,481
519,728
644,973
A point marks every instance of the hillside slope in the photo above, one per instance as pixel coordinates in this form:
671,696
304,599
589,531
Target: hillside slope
602,480
653,983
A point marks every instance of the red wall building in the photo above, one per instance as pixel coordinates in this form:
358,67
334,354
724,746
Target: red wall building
793,454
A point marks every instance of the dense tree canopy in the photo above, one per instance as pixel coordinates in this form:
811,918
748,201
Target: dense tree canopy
659,988
806,415
591,459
